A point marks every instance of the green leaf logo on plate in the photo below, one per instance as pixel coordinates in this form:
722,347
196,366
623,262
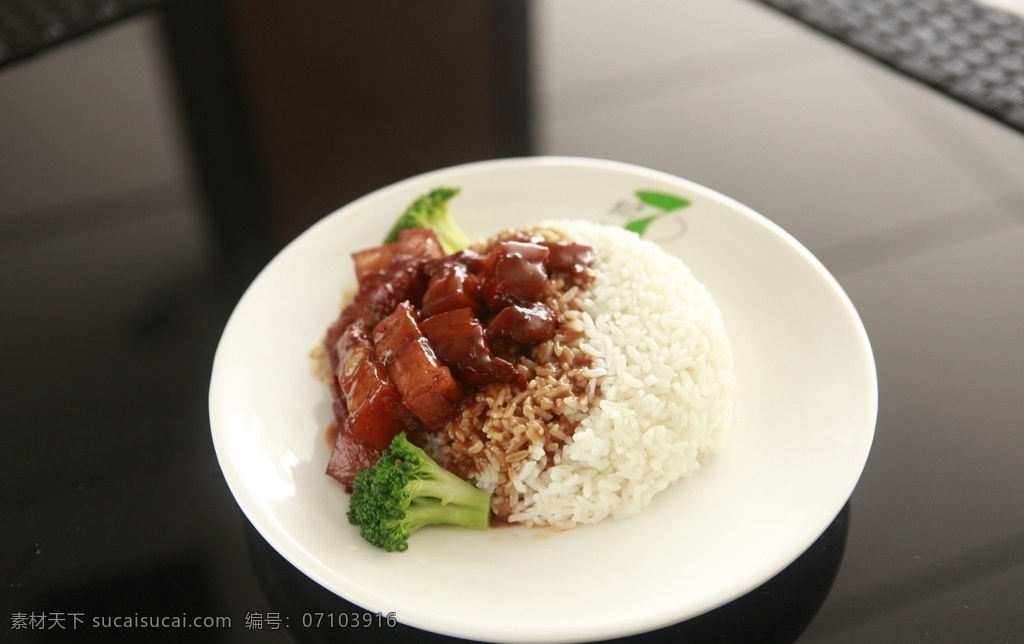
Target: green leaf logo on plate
665,203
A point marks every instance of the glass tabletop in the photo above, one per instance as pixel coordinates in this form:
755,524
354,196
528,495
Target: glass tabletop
153,167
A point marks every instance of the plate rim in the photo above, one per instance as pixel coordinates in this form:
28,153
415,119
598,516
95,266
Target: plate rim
351,209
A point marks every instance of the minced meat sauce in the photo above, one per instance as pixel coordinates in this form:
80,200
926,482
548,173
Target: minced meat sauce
425,330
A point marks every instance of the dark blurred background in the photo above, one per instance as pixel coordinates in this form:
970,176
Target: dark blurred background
150,167
263,118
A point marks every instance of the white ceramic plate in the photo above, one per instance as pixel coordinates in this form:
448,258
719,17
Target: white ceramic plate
806,405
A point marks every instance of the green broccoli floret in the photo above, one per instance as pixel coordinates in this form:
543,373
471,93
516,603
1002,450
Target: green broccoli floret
431,211
406,490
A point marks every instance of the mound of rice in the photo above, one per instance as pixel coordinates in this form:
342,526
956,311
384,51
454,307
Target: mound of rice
633,393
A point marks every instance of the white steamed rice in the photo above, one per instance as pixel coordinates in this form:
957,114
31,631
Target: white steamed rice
662,365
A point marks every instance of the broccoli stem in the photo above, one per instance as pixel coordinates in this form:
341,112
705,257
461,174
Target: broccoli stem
452,237
446,492
424,512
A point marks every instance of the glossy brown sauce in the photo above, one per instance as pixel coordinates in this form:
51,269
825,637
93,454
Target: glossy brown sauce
426,329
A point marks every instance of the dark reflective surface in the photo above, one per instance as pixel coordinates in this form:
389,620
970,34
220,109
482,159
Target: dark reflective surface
140,192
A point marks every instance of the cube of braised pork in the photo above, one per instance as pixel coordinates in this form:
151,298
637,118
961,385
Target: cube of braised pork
334,332
523,324
392,334
469,258
568,257
372,265
419,243
451,287
460,342
427,386
403,284
514,273
374,404
390,274
350,455
375,301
